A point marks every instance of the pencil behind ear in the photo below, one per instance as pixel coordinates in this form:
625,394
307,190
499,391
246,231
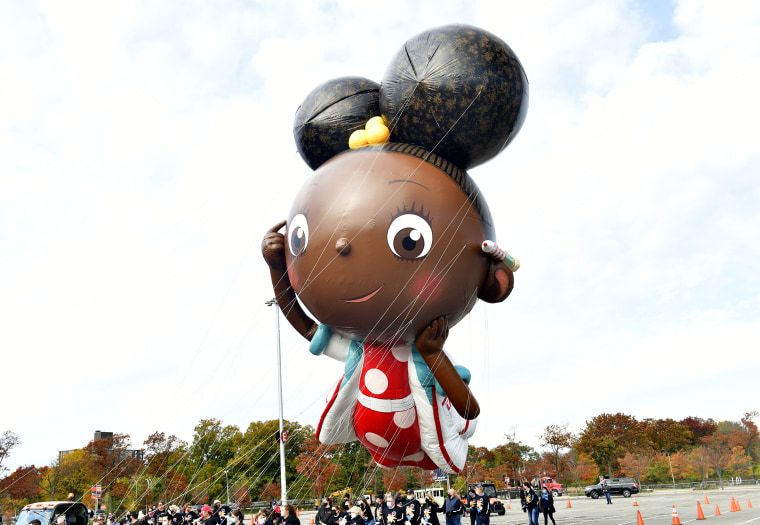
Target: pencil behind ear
497,284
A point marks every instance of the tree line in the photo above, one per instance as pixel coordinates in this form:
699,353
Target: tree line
227,463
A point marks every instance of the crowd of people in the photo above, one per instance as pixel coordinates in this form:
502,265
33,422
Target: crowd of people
404,508
392,509
160,514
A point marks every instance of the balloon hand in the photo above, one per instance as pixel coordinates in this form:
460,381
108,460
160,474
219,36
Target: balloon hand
431,339
273,247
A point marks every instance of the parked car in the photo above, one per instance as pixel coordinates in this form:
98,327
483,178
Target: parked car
622,486
47,513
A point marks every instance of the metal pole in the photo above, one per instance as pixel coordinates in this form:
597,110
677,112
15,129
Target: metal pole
671,471
283,481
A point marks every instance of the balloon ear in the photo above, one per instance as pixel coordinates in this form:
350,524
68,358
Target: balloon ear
498,283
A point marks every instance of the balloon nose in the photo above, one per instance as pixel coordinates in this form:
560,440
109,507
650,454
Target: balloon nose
343,246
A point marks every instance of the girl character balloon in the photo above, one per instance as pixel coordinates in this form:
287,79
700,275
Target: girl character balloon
384,243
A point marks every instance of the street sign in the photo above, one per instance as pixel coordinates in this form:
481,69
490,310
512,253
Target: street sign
439,475
96,491
284,436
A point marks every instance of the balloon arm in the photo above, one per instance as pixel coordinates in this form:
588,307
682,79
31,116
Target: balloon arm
291,309
429,343
273,250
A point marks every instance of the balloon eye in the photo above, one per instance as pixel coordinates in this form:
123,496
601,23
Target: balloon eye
410,237
298,234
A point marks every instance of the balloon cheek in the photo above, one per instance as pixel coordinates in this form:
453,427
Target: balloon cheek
427,287
295,281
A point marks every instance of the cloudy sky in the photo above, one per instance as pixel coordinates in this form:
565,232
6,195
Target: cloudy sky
145,148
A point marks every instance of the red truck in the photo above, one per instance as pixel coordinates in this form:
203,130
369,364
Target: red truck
539,483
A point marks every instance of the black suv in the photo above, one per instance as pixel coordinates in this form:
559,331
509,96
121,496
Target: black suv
624,486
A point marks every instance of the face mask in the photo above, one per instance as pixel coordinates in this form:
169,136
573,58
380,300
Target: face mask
544,491
409,496
262,521
353,514
390,503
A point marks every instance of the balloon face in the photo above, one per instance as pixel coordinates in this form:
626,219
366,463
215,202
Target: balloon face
379,244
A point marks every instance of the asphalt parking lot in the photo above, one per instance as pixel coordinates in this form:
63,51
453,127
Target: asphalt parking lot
656,509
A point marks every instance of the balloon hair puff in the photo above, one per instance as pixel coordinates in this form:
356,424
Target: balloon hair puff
457,91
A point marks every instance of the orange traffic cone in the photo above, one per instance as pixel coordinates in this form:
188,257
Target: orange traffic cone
749,504
298,512
312,520
676,519
639,520
635,503
568,503
707,501
717,510
738,507
700,514
732,506
508,505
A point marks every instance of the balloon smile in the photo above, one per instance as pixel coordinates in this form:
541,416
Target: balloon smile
363,298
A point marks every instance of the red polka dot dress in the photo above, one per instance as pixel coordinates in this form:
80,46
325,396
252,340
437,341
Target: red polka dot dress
385,418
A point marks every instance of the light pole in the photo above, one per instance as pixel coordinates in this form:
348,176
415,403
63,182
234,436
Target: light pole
283,482
671,470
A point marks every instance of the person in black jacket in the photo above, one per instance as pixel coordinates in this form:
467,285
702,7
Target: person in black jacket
531,504
366,508
471,510
379,510
325,509
289,516
453,508
393,514
430,510
337,516
355,516
412,508
482,506
546,505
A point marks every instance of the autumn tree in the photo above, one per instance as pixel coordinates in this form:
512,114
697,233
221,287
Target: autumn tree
580,466
634,464
699,427
314,463
516,455
23,486
557,438
718,453
607,437
666,435
752,446
698,461
397,479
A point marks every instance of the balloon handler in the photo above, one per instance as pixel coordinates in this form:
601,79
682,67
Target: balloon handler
390,242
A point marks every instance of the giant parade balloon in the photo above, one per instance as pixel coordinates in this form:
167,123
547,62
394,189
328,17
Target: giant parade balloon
390,243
